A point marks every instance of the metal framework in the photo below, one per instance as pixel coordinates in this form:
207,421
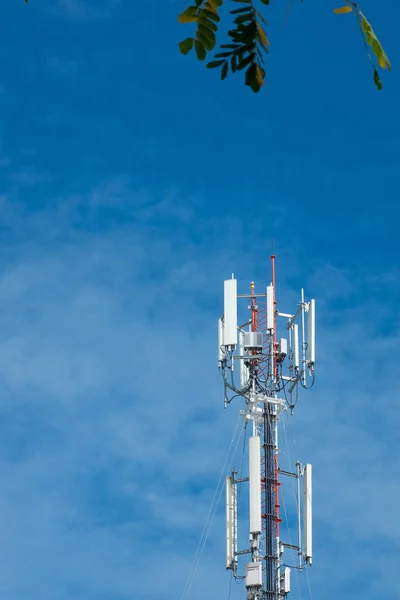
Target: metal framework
271,370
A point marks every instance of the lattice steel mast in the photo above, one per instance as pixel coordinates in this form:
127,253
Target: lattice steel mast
262,364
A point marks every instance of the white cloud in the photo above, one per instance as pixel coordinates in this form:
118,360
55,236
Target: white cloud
113,432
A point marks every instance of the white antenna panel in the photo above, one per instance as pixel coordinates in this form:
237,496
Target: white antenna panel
296,346
311,332
308,513
255,484
221,350
230,522
243,370
230,312
270,308
285,581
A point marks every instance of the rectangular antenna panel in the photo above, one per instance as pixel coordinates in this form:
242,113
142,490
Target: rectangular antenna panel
308,513
296,346
255,484
231,516
254,574
270,308
221,350
243,370
285,581
282,347
311,332
230,312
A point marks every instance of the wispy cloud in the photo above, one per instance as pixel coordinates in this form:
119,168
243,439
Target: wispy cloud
113,430
28,177
86,356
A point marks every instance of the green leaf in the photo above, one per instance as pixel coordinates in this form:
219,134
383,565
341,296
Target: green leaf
206,38
250,32
262,36
208,24
251,74
224,71
215,63
243,19
200,50
265,1
260,75
210,15
186,45
234,63
214,4
380,54
246,61
243,49
223,54
254,77
238,11
189,15
365,26
377,79
343,10
375,44
255,86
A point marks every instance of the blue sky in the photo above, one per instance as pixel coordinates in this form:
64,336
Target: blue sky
131,184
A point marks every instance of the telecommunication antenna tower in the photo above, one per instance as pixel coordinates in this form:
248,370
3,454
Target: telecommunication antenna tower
270,372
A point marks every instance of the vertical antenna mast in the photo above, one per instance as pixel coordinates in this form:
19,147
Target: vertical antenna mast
268,369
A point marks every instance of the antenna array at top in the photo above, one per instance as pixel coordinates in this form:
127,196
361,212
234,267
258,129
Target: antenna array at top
284,362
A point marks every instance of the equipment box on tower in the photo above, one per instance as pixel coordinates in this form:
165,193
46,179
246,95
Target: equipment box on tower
254,574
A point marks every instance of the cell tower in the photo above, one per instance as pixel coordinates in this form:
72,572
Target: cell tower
270,373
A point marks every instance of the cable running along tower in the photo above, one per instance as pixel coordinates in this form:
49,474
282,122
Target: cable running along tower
266,372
